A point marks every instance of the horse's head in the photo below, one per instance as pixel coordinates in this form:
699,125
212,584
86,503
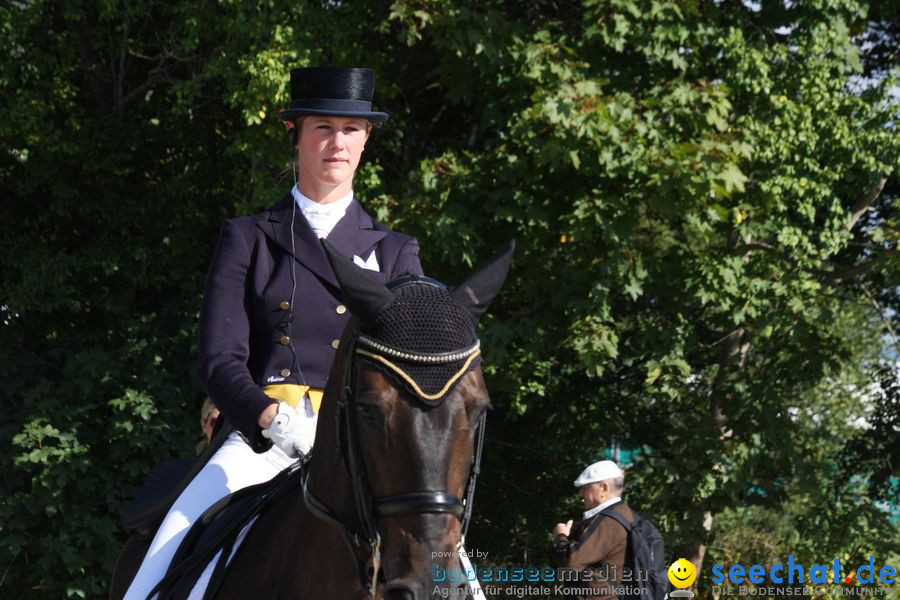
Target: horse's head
412,410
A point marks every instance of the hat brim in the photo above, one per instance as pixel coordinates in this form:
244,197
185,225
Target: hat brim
293,113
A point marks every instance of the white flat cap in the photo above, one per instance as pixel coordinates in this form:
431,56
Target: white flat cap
599,471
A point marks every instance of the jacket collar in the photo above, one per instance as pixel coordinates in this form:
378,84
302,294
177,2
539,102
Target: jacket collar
590,513
354,235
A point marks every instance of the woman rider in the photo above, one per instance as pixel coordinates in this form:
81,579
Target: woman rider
272,311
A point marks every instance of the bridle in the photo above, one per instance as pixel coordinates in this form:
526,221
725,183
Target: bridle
367,542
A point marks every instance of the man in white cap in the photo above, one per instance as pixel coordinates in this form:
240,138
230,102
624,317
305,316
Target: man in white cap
596,542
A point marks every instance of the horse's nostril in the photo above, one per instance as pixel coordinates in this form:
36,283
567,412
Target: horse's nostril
402,590
400,594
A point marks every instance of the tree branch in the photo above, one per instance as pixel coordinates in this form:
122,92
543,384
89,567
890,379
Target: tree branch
734,351
863,203
833,275
881,311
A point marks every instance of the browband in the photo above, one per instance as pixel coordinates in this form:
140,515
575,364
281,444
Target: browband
412,382
424,358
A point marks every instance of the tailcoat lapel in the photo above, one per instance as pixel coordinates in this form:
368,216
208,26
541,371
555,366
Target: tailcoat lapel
307,249
353,235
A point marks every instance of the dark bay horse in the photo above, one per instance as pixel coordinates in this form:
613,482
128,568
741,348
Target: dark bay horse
387,494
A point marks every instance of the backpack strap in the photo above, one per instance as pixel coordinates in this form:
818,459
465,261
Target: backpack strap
603,513
590,528
609,512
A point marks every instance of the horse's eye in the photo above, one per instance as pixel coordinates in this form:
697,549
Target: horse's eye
368,413
476,411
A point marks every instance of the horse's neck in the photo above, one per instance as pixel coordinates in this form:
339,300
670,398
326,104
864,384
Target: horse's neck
329,480
283,555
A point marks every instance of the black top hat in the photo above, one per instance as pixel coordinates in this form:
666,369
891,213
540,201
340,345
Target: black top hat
334,92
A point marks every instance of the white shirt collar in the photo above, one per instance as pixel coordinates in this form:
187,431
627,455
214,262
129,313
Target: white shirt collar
321,217
311,207
590,513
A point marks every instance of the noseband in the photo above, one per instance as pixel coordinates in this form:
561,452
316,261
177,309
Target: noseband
370,509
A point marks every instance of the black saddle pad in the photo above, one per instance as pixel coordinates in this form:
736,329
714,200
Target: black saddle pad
141,518
218,529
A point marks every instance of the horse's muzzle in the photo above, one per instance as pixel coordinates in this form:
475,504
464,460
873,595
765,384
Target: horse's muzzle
403,589
408,589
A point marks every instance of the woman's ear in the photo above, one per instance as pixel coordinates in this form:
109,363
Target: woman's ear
293,132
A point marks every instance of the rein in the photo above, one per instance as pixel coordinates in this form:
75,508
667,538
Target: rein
368,542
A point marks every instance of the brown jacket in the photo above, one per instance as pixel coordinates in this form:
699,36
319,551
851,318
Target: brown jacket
595,549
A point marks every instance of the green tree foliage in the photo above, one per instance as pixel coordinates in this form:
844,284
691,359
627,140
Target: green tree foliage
698,189
703,194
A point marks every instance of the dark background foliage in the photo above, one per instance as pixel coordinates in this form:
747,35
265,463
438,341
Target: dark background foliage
704,196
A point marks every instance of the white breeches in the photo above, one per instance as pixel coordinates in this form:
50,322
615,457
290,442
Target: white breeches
233,467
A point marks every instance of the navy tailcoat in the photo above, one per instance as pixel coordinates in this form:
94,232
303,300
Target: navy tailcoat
252,334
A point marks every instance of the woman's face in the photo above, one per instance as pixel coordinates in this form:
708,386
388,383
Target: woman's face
330,149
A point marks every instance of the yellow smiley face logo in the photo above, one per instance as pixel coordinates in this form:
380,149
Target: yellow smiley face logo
682,573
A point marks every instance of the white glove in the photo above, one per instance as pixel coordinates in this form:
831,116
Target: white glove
290,432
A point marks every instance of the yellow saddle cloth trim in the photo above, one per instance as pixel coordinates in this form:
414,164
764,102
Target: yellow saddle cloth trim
293,394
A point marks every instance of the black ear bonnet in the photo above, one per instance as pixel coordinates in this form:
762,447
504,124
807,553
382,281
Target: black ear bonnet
416,330
423,340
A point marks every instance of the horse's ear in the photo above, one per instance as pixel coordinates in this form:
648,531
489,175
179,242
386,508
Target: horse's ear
476,292
364,294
